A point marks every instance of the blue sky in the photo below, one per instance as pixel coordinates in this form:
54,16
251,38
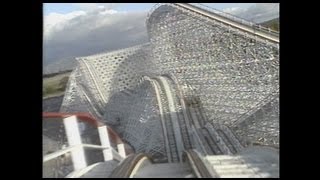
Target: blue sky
64,8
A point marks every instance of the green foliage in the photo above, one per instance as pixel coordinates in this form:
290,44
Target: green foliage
54,85
272,24
48,90
275,26
63,83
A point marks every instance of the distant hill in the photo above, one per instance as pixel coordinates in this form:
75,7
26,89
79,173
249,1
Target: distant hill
56,73
272,24
62,65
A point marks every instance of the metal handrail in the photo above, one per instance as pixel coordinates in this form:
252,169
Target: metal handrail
234,18
85,117
76,147
223,14
225,18
61,152
58,153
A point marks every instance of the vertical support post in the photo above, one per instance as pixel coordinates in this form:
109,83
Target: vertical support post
121,150
104,139
74,138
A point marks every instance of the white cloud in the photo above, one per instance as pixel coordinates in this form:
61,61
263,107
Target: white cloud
87,6
56,22
83,33
94,6
101,7
108,12
234,10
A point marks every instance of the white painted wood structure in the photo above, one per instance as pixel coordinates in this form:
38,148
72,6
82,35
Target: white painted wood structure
76,147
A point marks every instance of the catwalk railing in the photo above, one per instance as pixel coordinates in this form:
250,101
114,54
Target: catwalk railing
236,18
229,19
